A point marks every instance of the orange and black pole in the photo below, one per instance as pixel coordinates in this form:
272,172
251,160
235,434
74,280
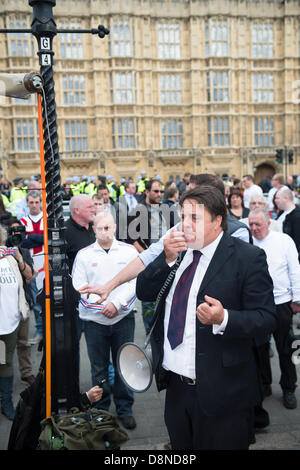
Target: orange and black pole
61,347
47,273
60,338
60,328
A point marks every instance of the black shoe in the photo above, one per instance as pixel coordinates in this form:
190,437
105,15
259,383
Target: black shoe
267,390
128,422
289,400
261,418
167,446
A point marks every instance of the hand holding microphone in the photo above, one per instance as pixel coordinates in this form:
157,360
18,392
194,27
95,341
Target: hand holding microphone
174,244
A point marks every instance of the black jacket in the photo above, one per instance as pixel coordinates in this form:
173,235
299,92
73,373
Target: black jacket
291,226
225,364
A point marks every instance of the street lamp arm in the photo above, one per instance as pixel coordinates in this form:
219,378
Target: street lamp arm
101,31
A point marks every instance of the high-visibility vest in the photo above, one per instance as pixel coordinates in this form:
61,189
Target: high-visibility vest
5,200
112,190
82,186
17,193
75,189
90,189
122,190
142,185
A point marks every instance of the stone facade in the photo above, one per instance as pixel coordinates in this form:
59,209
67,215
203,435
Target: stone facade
200,86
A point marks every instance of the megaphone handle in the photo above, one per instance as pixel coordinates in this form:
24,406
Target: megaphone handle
161,292
149,335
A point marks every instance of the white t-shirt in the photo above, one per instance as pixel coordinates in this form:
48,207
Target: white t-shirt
9,310
93,265
271,196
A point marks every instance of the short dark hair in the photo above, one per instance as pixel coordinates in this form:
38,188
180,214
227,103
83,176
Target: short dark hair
102,186
235,192
171,191
249,177
148,184
212,200
128,183
208,179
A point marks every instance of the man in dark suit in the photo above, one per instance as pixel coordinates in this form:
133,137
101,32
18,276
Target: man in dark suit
209,315
123,207
289,215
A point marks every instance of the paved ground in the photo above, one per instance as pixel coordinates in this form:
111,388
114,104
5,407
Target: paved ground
151,433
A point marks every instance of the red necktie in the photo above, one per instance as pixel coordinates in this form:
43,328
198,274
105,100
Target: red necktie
180,301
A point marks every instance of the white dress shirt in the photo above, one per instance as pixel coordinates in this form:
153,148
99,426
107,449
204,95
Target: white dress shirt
181,360
282,217
131,201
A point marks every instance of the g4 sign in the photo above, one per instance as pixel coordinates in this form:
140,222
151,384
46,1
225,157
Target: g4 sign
46,59
45,45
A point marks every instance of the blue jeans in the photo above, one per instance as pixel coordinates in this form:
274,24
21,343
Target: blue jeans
148,309
100,340
37,309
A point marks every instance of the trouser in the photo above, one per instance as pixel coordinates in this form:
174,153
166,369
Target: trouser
190,429
100,340
10,340
265,363
283,336
37,309
148,309
24,349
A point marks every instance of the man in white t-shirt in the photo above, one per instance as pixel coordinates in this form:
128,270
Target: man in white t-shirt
251,189
277,183
110,324
284,269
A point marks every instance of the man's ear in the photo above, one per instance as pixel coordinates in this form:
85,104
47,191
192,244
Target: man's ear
218,220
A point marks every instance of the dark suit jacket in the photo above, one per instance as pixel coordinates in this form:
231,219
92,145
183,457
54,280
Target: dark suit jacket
225,366
291,226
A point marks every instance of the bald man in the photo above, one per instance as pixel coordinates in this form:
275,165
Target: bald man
110,324
258,202
289,215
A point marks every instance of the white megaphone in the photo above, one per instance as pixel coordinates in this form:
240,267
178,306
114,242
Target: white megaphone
134,365
20,85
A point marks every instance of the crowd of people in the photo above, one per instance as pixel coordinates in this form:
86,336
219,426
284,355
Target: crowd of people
224,252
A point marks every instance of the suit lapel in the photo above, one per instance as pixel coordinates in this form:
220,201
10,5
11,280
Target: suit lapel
223,252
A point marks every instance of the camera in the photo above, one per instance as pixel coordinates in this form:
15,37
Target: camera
15,236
